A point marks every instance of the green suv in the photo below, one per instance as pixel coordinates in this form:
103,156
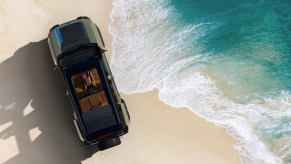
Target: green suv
101,115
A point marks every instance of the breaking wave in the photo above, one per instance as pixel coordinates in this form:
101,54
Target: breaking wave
153,48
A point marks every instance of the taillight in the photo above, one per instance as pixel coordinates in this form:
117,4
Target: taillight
105,135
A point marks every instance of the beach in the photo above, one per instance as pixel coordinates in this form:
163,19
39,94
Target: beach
36,117
162,134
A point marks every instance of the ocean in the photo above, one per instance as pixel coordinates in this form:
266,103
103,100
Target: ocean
227,61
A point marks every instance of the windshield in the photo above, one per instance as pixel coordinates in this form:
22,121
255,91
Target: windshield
80,54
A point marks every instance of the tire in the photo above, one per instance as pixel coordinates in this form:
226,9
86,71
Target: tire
83,17
108,143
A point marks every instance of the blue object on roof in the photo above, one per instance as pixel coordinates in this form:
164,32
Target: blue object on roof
59,36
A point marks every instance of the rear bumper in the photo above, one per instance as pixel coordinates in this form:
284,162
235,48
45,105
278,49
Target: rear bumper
93,142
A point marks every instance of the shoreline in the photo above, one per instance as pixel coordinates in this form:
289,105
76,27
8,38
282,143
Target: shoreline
158,133
218,150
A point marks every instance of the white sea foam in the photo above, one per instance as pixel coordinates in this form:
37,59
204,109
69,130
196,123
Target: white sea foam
151,50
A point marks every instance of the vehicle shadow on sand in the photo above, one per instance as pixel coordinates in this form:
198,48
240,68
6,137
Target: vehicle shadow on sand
36,117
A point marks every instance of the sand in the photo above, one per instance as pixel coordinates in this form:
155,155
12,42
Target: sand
36,119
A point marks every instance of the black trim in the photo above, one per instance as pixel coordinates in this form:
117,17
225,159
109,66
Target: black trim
54,27
83,17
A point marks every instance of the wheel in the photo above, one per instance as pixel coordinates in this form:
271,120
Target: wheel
108,143
83,17
54,27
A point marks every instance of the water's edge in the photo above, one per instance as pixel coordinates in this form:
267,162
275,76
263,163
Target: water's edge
151,51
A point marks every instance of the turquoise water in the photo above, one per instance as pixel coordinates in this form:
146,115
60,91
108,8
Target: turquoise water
227,61
248,42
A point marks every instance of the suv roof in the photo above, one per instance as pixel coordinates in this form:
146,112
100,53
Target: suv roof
71,35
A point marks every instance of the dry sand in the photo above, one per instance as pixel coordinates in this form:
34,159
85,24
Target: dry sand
36,120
